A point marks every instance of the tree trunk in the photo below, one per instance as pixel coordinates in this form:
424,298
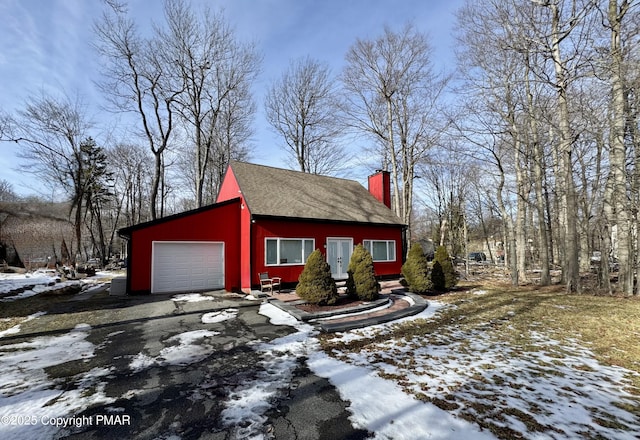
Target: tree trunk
570,269
155,186
618,152
521,213
391,148
509,243
543,242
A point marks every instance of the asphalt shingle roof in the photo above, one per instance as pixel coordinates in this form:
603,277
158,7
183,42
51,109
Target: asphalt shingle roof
277,192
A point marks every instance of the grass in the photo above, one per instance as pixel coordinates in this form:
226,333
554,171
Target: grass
541,326
609,326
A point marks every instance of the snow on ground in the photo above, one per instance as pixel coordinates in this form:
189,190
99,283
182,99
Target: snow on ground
192,297
28,390
186,348
219,316
397,387
378,405
41,281
247,403
32,403
548,390
16,328
381,406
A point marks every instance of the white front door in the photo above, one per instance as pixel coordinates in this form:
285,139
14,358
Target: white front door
338,255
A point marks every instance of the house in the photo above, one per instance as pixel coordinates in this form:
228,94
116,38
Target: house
265,219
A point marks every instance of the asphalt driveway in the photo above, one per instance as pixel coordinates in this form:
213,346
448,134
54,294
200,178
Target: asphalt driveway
164,366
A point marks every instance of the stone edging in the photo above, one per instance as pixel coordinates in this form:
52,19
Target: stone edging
301,315
419,304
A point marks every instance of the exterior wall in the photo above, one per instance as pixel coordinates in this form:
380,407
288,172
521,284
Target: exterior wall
244,248
283,228
231,190
220,223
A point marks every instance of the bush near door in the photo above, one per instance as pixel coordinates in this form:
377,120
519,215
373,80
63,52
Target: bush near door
361,282
315,284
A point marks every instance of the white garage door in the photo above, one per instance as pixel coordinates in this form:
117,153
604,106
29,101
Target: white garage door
187,266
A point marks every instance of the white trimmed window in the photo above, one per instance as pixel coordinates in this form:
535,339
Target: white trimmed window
288,251
381,250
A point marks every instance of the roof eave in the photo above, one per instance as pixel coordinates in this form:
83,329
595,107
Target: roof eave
324,220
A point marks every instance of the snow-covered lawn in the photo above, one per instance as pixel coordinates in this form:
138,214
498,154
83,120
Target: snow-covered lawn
541,389
468,383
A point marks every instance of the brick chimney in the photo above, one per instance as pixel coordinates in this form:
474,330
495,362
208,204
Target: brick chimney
380,186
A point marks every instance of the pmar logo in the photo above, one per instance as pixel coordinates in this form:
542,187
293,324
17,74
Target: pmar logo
113,419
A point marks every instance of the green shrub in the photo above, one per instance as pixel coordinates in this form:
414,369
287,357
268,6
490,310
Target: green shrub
443,275
362,282
437,276
315,284
416,270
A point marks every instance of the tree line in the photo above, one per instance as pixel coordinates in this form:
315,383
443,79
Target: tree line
550,91
533,137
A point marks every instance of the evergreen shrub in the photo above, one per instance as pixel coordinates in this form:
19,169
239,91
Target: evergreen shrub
416,270
362,282
443,275
315,284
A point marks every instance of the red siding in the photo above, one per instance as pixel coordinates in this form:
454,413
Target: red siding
221,223
229,189
380,186
245,248
283,228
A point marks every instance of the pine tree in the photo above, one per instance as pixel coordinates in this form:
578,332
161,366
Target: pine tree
315,284
443,275
362,282
416,270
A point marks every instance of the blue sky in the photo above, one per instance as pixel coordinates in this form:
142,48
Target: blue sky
46,47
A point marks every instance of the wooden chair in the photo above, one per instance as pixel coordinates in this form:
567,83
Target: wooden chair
267,282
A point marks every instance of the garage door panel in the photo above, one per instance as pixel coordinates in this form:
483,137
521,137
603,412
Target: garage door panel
187,266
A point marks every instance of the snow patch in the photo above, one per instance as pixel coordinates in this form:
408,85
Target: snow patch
16,328
187,348
247,403
219,316
192,297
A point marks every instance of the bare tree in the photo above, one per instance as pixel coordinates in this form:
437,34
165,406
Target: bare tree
6,192
528,61
6,124
392,94
53,131
494,121
131,172
562,23
300,106
214,72
618,208
137,79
